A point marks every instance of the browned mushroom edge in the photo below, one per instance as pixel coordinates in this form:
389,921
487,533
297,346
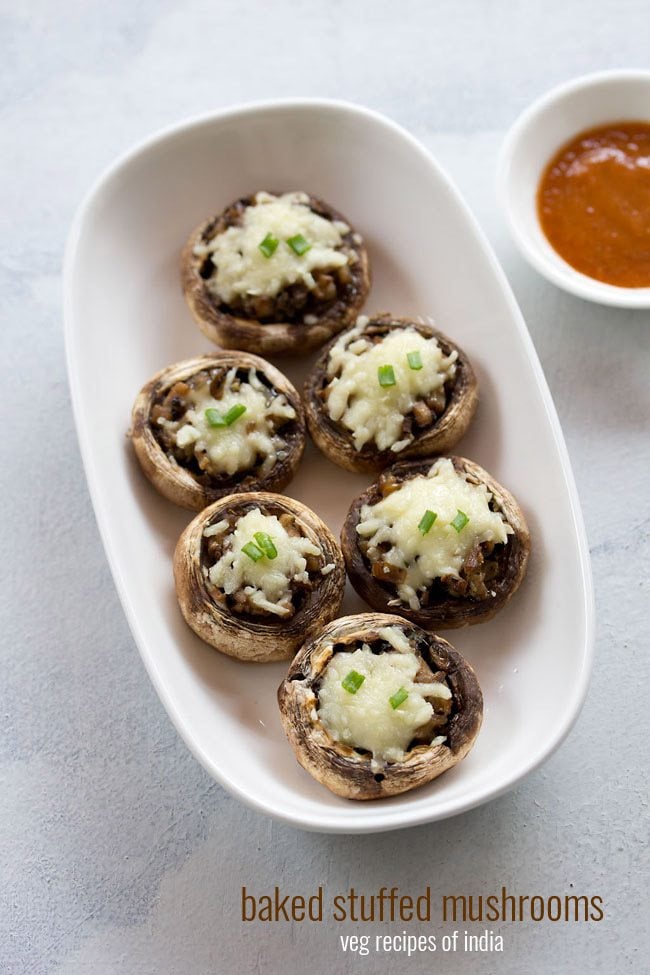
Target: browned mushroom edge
188,486
347,771
437,437
444,611
259,637
286,334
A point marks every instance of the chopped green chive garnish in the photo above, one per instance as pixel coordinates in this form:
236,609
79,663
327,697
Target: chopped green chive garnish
252,551
265,543
214,418
234,413
298,244
398,698
217,419
459,521
386,376
415,359
262,546
426,521
352,682
269,245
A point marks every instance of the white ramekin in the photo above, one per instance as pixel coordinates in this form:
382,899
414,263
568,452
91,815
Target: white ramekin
552,120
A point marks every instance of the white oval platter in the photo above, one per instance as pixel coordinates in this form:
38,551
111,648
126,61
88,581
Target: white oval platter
125,318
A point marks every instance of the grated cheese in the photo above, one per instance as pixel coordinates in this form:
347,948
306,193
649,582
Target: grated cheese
372,412
366,719
266,582
237,447
443,550
242,268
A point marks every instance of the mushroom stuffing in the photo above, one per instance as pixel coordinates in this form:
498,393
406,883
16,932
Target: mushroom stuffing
276,273
389,388
256,574
216,424
374,706
437,541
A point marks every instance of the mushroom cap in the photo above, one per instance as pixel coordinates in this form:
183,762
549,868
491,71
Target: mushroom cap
174,481
341,768
231,331
336,442
448,612
255,638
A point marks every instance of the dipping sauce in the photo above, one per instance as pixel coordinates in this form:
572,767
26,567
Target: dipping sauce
593,203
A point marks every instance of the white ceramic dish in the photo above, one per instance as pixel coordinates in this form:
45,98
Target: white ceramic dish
126,317
550,122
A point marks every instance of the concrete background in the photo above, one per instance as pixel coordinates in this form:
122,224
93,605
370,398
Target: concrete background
119,854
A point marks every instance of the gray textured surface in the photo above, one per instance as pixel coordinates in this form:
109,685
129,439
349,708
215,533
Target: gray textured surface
119,854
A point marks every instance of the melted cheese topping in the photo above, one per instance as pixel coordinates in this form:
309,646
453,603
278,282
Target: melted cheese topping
266,582
237,447
242,268
367,719
356,399
443,550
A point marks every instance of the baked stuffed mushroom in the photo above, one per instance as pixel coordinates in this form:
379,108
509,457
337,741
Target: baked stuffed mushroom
374,706
256,574
438,541
389,388
275,274
215,425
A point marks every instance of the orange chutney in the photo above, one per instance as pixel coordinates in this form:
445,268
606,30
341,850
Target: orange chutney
593,203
